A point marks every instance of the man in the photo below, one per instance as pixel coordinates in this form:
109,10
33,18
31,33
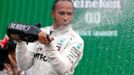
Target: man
57,54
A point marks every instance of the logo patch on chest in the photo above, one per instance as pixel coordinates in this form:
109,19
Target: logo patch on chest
40,56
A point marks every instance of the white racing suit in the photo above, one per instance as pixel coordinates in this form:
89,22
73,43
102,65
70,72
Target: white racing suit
60,57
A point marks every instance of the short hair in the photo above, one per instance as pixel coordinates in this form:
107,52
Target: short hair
56,1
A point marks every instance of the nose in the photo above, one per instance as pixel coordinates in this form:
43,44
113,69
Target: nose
65,17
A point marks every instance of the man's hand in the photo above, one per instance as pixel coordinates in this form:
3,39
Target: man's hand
44,38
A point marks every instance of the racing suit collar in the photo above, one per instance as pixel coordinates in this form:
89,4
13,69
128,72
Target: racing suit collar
61,30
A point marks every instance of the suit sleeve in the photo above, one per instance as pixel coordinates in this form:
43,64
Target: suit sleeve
24,56
66,60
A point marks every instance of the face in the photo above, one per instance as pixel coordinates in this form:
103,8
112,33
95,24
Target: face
63,13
